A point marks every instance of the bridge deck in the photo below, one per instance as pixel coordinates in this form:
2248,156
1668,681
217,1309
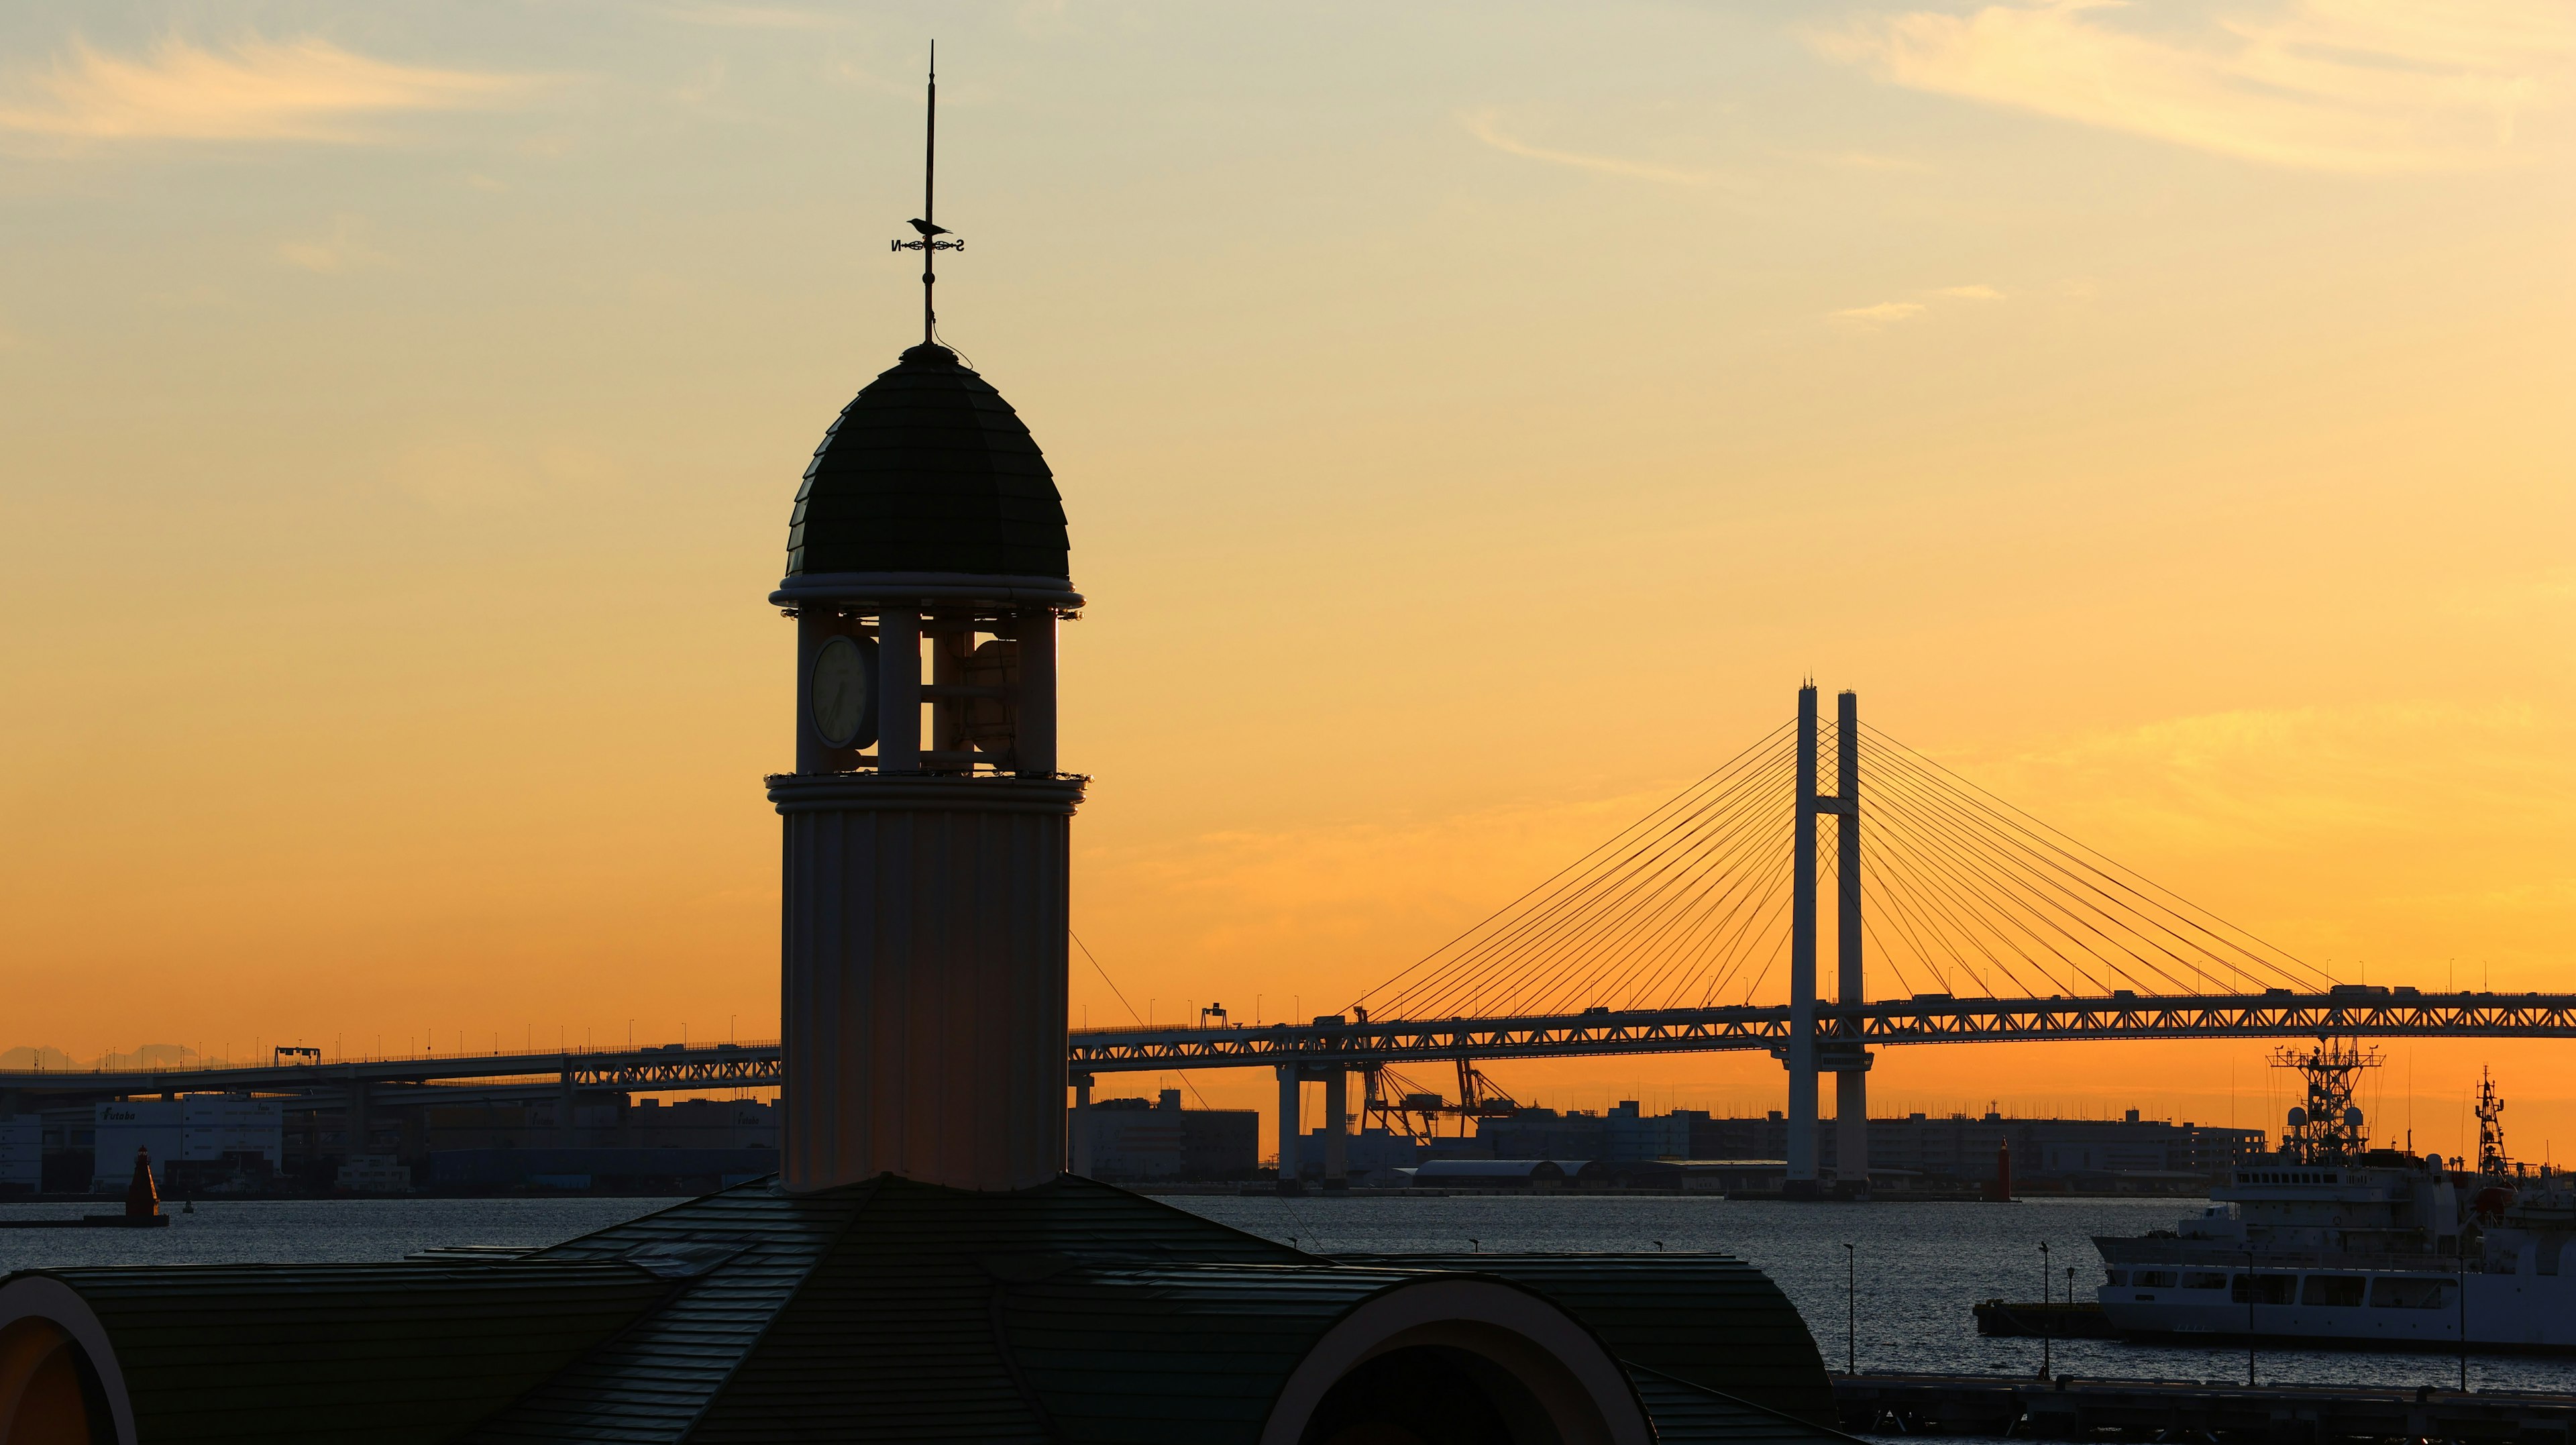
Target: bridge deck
2367,1013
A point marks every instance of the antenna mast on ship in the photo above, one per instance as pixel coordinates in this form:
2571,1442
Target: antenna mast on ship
2490,1111
2328,1128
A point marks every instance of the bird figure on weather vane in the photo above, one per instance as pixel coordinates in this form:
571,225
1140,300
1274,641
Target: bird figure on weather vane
928,243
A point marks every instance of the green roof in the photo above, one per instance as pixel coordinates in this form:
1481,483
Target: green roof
1073,1312
404,1354
928,470
1079,1312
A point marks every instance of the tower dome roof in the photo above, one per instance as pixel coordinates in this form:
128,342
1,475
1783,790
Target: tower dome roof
928,470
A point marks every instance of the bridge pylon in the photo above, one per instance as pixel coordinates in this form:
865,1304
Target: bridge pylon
1809,1051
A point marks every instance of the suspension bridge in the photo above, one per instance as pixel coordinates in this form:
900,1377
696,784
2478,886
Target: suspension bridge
1993,926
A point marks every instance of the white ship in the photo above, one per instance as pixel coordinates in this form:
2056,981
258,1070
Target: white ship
2330,1242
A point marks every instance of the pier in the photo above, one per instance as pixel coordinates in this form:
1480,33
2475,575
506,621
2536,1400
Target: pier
2172,1410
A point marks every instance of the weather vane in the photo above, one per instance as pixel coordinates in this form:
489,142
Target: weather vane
929,244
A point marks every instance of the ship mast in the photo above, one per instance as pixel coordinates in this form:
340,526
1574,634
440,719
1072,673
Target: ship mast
2328,1128
2490,1111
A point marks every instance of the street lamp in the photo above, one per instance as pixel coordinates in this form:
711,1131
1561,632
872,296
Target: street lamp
1851,1308
2047,1328
2251,1291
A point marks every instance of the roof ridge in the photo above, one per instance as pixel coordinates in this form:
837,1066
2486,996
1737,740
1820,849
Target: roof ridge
1195,1219
548,1255
513,1421
868,1193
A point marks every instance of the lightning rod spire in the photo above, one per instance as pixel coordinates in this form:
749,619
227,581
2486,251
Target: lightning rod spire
929,244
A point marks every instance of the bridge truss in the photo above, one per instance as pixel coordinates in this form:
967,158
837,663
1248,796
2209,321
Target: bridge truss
2345,1012
2373,1013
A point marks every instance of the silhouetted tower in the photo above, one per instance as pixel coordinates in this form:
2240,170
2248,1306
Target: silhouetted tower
1802,962
1810,1048
2490,1110
923,1005
1847,1059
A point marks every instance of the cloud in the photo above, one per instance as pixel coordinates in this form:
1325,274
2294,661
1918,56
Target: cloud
757,17
1880,314
1868,161
2345,85
305,89
345,249
1889,312
1480,124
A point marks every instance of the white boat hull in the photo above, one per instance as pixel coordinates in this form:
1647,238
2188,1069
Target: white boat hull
2504,1312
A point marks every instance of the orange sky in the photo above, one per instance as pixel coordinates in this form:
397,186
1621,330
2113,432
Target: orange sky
1474,423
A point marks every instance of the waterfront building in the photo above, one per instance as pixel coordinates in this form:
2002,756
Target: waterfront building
22,1153
373,1174
1371,1156
2093,1156
238,1149
200,1137
1136,1140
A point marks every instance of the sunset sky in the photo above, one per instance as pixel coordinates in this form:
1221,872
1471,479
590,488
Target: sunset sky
1475,421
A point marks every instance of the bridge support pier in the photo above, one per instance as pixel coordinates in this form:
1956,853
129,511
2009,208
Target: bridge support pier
1337,1126
565,1102
1289,1080
358,1130
1851,1129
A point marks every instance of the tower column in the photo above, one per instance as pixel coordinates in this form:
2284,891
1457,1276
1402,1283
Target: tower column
899,691
924,984
1801,1153
1033,749
1851,1084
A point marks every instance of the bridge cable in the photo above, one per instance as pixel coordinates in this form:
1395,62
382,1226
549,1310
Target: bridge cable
2148,920
2126,878
1131,1008
1549,889
1519,940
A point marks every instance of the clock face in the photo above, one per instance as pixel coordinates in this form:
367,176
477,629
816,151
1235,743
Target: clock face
843,681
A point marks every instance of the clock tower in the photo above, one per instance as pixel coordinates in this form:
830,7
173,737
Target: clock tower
923,937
